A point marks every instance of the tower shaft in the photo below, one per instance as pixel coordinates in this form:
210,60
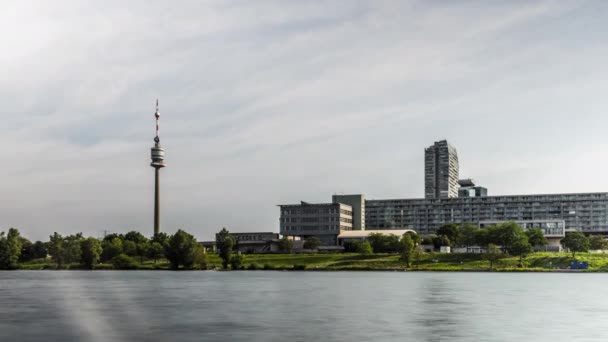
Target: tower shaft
156,201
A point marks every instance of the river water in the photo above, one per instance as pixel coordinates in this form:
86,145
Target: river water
301,306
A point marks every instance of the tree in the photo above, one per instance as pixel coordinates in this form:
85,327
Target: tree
505,234
492,254
536,237
225,243
129,248
450,230
521,247
598,242
408,248
10,249
576,242
285,245
312,243
91,252
356,246
236,261
180,250
155,251
467,235
123,262
441,240
384,243
31,251
56,248
71,248
134,236
200,258
112,247
142,250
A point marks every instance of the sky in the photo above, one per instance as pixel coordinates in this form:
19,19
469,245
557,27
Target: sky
272,102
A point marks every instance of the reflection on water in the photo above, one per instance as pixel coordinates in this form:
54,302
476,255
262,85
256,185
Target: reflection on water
301,306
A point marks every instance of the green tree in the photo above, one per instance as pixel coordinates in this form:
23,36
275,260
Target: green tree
72,252
10,249
357,246
598,242
450,230
441,240
142,250
224,243
536,237
155,251
384,243
285,245
129,248
134,236
56,248
408,249
521,247
201,259
32,251
112,247
492,254
236,261
467,235
311,243
180,250
576,242
123,262
91,252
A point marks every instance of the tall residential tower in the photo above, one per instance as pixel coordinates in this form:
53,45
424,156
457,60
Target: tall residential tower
440,171
158,162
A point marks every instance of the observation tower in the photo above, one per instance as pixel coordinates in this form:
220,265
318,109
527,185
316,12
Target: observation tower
158,162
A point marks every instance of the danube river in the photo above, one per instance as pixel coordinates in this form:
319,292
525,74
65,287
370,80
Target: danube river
301,306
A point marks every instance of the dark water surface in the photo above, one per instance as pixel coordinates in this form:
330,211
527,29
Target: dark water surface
301,306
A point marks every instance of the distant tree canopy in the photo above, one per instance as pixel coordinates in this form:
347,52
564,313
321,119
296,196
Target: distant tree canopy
91,252
598,242
384,243
536,237
408,246
285,245
10,249
356,246
225,243
576,242
312,243
180,250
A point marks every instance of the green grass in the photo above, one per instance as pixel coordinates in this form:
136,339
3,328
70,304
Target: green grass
537,262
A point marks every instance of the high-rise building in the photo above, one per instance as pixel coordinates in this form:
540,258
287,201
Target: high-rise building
440,171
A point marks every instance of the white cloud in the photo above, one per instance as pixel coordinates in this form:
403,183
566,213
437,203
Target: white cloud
270,102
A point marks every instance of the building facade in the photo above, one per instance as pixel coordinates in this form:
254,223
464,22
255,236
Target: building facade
586,212
357,202
440,171
469,189
324,221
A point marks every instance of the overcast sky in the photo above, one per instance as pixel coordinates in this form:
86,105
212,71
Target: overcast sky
266,102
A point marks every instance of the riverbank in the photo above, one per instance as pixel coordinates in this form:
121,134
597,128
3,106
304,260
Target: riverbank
537,262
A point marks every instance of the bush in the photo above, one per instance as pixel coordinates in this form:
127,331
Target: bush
236,262
299,267
123,262
355,246
253,267
268,267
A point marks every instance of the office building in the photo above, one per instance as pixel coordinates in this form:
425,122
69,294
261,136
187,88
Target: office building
357,202
586,212
323,220
440,171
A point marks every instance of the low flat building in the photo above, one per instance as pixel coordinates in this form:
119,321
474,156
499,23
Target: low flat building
251,242
362,235
324,221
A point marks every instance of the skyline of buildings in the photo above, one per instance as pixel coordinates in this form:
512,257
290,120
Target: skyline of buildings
450,200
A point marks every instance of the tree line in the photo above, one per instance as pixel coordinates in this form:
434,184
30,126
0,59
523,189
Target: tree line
122,251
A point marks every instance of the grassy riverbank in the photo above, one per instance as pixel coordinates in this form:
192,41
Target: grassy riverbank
537,262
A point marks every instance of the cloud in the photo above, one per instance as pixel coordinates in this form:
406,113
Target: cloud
270,102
